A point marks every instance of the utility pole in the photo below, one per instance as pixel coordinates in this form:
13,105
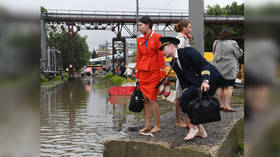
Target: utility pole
137,15
196,17
106,52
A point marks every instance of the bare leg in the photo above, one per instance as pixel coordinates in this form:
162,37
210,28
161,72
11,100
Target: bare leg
178,114
156,115
147,112
228,94
220,93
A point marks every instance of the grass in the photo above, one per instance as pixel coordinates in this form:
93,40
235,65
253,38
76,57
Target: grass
47,83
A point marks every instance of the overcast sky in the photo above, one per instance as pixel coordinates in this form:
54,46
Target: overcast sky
98,37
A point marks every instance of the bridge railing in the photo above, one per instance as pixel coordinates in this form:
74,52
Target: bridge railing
111,14
121,13
128,16
231,17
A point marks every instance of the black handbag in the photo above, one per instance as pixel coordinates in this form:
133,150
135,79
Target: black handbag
204,109
136,103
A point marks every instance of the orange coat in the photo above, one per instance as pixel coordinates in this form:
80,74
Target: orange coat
150,65
150,58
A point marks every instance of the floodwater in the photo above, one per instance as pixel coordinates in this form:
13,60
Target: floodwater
78,115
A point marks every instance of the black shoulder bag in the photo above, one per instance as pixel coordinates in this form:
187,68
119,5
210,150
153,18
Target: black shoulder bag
204,109
136,103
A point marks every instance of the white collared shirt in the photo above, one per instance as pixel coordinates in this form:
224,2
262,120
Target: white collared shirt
178,62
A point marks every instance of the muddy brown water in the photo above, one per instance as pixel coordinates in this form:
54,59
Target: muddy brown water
76,117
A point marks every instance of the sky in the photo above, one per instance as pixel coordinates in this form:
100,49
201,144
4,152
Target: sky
98,37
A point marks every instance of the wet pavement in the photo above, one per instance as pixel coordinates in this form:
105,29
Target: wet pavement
76,116
224,139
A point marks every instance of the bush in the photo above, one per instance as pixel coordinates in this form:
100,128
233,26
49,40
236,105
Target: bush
108,76
66,75
57,78
44,80
117,80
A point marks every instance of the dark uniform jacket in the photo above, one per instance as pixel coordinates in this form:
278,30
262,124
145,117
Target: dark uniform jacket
195,69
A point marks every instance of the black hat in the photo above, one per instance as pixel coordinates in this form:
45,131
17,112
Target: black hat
168,40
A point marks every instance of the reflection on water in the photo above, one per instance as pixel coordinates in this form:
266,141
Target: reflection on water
118,99
76,118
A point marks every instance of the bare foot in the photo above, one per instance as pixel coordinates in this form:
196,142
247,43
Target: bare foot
155,129
202,133
229,109
181,124
192,133
145,129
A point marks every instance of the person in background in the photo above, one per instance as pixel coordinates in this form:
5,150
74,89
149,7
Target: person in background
183,29
226,55
128,73
150,69
83,71
122,70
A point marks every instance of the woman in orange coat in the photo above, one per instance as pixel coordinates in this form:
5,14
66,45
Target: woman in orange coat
150,69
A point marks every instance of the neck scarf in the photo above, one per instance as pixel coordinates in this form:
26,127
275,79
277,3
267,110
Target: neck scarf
187,35
146,37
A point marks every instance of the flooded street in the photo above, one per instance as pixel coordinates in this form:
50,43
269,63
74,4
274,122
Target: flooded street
77,115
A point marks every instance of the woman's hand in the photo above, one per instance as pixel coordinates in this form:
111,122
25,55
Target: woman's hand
205,86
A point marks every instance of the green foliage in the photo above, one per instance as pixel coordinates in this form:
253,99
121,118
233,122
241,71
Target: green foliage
57,78
44,80
60,40
236,31
108,76
117,80
241,145
233,9
43,9
66,75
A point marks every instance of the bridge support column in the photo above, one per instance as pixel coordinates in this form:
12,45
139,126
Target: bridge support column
43,46
196,17
119,48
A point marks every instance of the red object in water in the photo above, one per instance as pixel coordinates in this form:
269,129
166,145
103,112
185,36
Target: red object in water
126,90
88,70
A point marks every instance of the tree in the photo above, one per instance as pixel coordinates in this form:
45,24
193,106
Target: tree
237,31
59,40
233,9
43,9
